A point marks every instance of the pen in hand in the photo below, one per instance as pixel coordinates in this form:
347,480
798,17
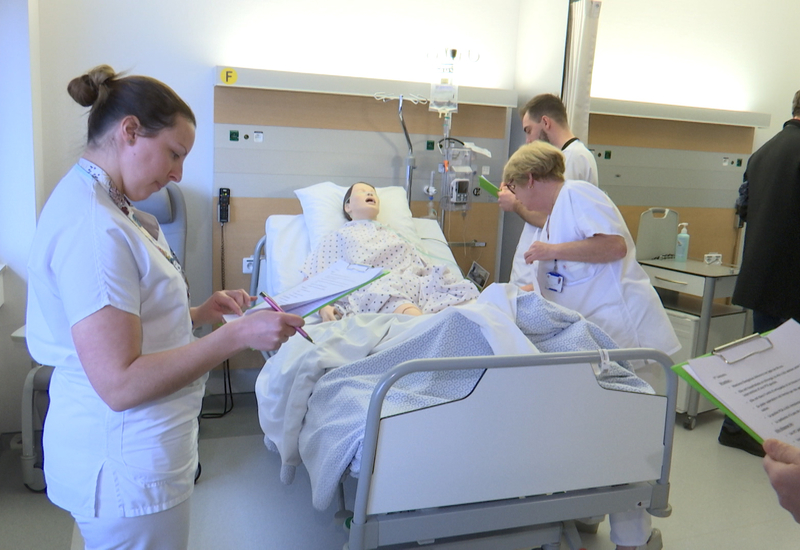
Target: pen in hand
279,309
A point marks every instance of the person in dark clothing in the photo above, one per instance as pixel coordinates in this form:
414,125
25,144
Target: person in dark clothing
769,201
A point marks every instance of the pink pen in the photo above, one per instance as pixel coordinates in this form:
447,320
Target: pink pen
279,309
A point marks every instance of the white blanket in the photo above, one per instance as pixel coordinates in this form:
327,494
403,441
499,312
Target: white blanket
313,398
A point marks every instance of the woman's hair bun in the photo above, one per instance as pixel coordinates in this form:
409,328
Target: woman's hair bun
88,88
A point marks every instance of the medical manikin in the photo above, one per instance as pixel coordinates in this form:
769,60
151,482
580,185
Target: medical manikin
411,287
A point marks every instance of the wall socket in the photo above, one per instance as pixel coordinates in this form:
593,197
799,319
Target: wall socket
247,264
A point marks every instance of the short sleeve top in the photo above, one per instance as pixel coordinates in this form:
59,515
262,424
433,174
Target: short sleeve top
86,255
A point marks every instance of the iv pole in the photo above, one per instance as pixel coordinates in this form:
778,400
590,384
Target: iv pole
410,164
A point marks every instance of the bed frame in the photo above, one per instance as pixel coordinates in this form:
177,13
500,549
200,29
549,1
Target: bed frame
453,476
428,477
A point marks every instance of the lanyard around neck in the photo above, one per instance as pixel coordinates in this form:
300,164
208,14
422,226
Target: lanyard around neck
121,201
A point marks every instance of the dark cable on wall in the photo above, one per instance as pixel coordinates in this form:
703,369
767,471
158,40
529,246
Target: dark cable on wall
226,367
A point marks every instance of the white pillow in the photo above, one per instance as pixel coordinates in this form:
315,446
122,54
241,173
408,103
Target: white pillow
286,250
322,210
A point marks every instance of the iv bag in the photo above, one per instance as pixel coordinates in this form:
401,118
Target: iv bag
444,92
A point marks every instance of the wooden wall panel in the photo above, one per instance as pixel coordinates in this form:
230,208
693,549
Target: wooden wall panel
333,111
480,223
670,134
710,229
241,235
277,108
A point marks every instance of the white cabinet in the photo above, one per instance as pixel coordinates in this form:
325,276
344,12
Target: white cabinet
691,287
725,327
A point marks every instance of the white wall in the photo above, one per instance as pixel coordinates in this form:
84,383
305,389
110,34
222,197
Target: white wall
541,42
710,53
18,196
714,53
181,41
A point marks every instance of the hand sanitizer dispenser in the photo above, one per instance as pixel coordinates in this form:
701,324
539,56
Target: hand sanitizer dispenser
682,244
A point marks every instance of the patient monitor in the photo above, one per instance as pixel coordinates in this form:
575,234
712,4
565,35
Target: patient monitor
459,191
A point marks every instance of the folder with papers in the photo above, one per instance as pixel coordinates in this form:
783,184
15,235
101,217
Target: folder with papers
755,381
337,281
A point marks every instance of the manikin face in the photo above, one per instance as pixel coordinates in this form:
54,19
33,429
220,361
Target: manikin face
363,203
148,164
534,130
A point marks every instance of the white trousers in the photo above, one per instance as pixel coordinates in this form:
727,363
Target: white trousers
167,530
630,528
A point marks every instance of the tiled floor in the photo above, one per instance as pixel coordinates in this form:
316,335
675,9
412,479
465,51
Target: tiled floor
720,497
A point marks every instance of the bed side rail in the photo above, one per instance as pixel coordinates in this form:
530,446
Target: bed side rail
660,497
259,250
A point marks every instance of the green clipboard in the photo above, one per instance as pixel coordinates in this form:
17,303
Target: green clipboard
679,370
488,186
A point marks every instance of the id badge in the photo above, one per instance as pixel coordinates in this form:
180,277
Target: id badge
555,281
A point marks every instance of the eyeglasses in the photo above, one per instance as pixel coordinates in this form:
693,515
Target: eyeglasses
511,186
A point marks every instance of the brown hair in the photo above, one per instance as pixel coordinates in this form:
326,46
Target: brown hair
112,97
347,198
546,104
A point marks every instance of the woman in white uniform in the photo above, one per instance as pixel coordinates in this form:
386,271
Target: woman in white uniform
585,260
108,307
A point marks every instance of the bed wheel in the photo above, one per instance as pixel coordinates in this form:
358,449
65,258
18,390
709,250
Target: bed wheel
690,422
39,486
345,517
33,475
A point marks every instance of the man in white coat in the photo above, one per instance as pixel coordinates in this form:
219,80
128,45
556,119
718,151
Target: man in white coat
545,118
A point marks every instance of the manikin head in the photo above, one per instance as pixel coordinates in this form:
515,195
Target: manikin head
361,202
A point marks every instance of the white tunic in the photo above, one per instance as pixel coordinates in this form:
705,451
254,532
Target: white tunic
410,278
87,255
617,295
579,165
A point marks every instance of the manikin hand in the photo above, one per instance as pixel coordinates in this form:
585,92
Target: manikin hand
329,313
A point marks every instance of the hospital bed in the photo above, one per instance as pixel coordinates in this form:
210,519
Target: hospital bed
534,445
288,239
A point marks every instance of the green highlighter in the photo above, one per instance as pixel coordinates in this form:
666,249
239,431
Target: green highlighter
488,186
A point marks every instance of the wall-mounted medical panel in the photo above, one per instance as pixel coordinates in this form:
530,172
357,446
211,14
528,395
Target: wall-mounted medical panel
654,177
686,159
273,161
276,132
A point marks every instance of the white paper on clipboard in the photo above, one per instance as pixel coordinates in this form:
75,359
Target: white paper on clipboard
339,279
758,380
